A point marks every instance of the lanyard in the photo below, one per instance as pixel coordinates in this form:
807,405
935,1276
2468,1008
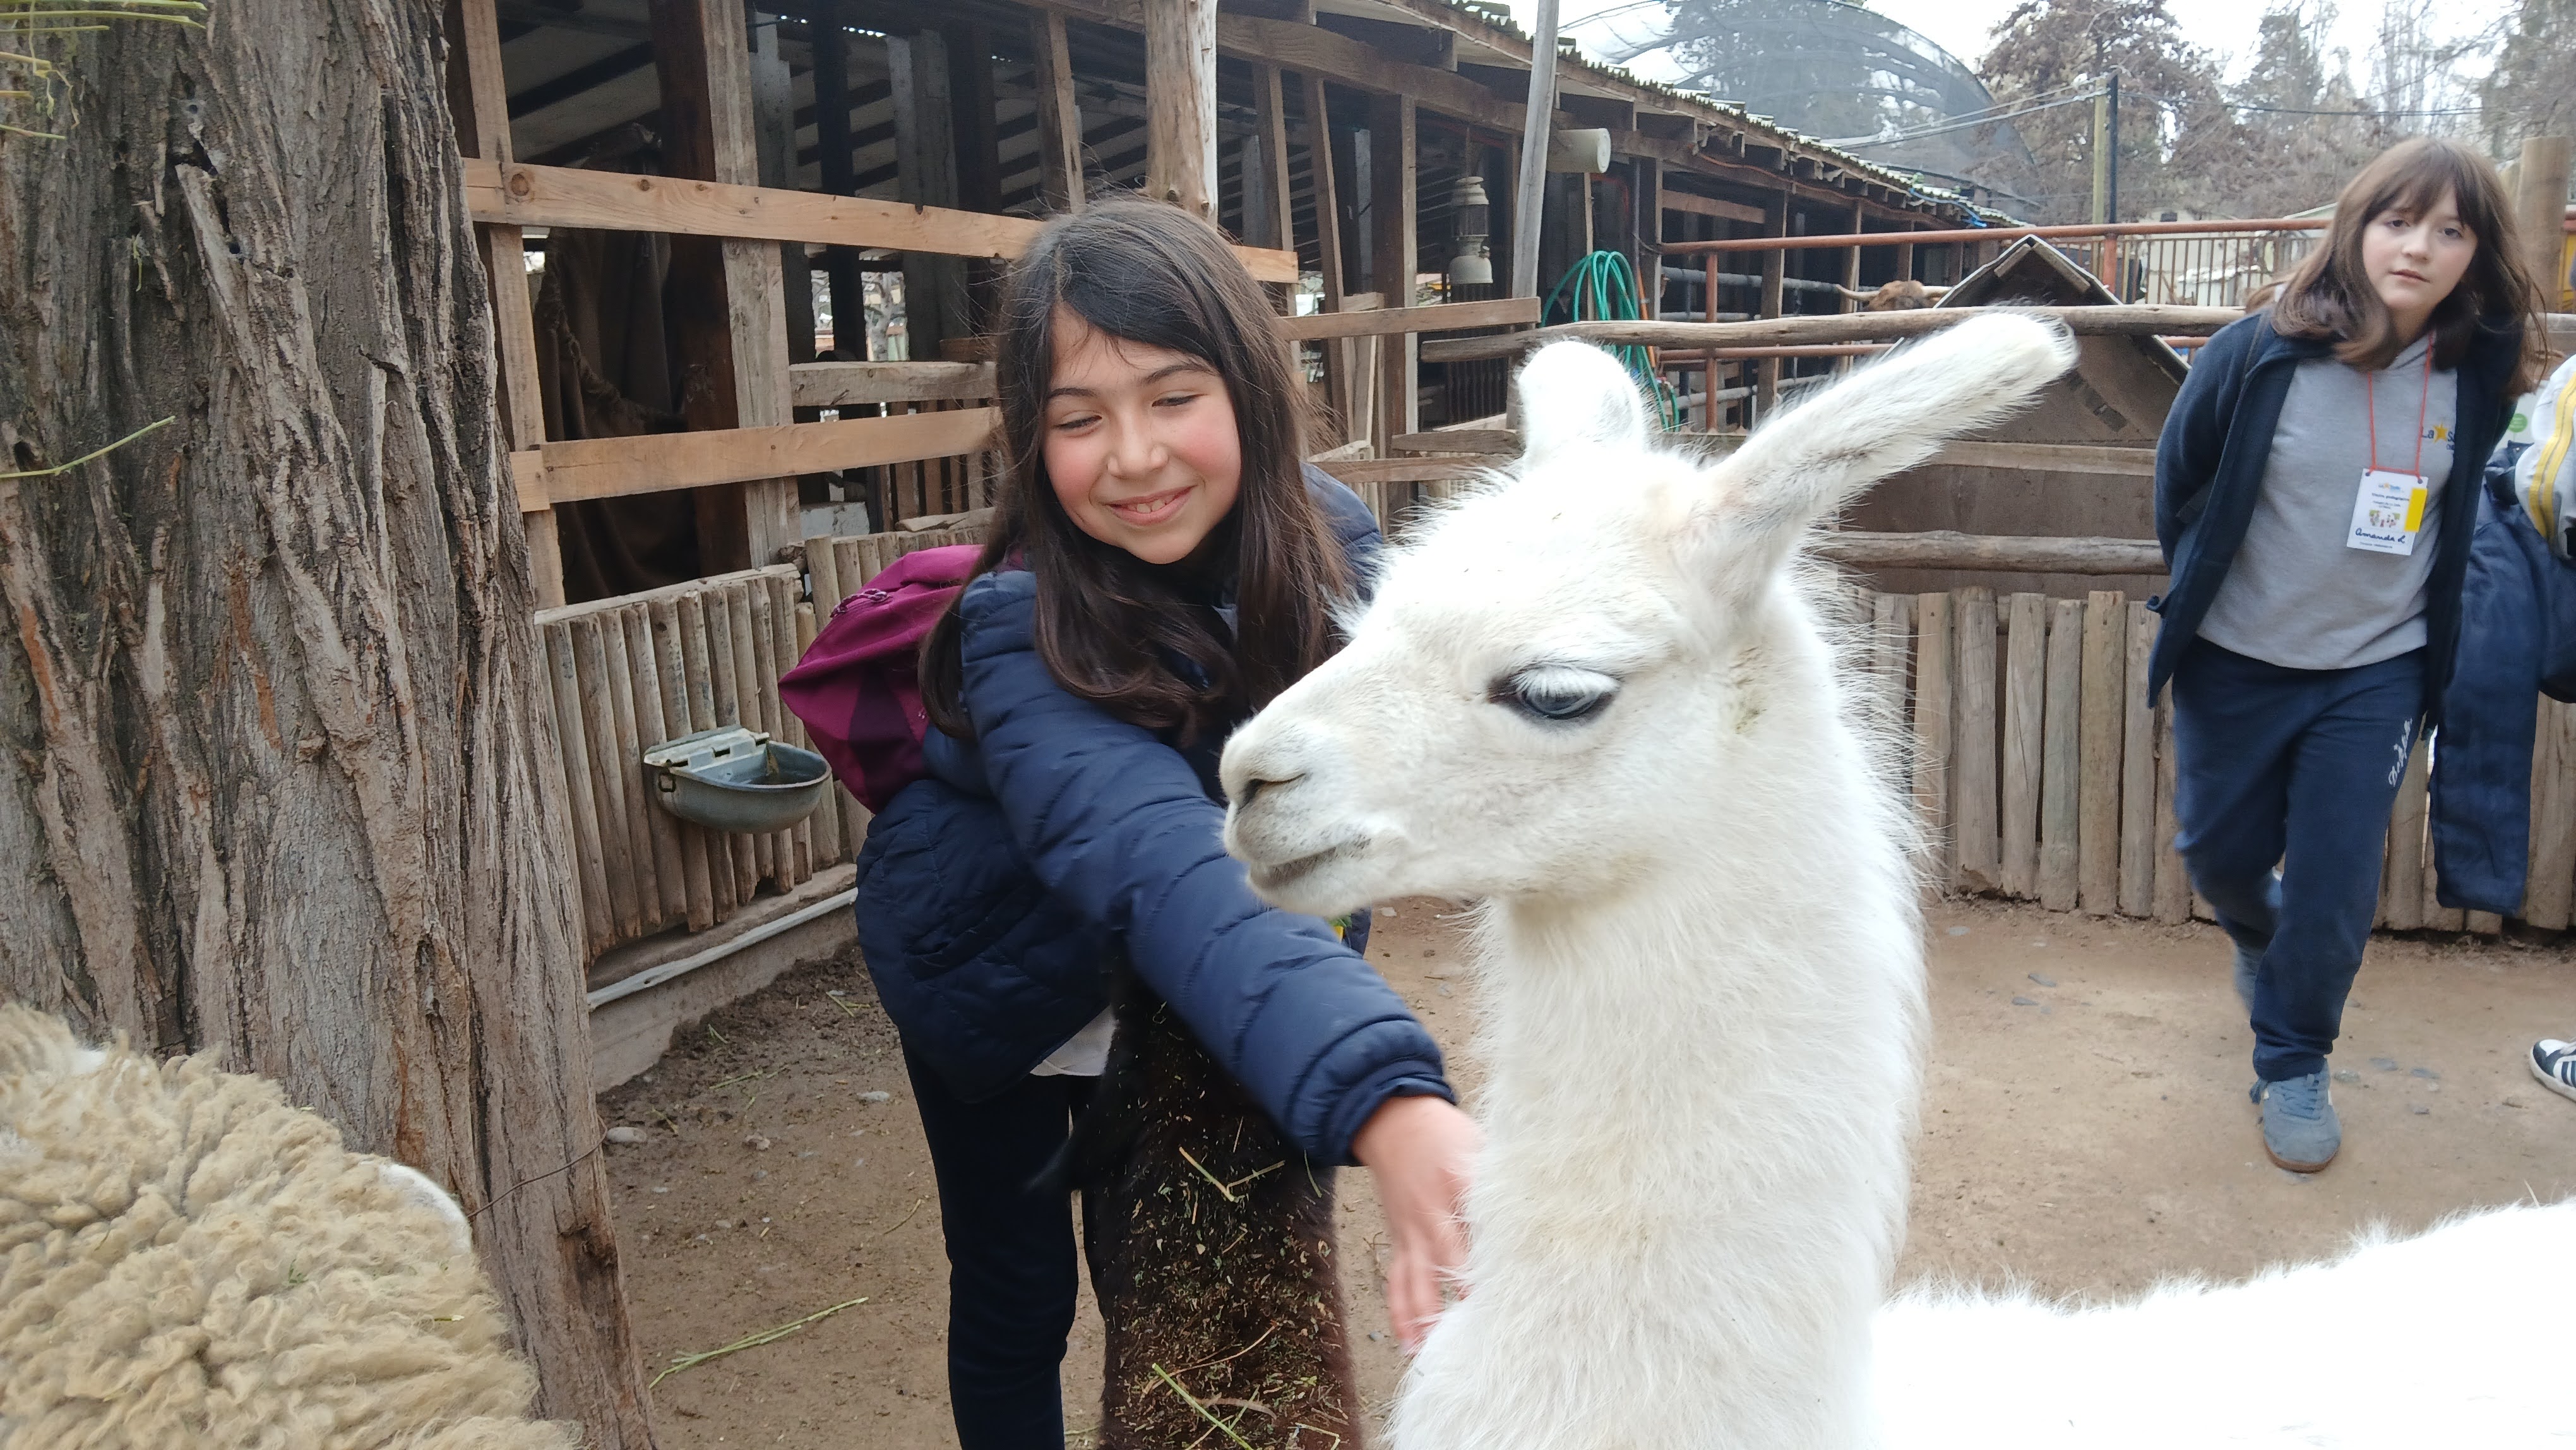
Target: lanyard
2370,405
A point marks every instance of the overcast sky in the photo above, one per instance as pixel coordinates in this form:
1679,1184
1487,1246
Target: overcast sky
1964,27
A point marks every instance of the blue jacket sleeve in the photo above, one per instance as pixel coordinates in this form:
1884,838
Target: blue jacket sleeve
2481,807
1115,823
2195,432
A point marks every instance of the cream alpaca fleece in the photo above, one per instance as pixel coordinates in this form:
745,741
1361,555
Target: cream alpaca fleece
186,1260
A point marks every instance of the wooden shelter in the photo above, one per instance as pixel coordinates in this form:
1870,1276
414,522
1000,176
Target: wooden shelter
758,246
2092,473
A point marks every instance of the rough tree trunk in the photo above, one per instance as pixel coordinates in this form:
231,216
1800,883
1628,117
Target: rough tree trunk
272,782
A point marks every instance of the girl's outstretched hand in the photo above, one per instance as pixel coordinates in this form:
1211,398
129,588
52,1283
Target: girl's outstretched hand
1422,1151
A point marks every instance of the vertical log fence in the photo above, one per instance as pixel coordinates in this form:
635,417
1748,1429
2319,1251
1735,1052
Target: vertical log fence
2039,771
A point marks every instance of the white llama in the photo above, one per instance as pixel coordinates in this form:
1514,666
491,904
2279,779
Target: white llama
1595,699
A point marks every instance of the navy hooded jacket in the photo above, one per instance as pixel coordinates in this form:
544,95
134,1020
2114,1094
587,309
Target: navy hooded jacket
2517,642
994,893
2218,439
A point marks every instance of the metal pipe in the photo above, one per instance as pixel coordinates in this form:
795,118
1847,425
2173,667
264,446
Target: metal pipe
652,977
1529,197
2001,234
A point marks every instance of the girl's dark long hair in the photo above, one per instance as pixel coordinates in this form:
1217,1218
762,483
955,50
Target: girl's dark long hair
2329,294
1110,627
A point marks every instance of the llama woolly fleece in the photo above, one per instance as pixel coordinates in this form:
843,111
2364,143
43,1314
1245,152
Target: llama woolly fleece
187,1260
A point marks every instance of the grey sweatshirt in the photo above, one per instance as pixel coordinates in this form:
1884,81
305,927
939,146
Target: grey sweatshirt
2297,595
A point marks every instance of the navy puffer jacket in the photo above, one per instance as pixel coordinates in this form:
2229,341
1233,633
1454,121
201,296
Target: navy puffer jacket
994,893
2517,642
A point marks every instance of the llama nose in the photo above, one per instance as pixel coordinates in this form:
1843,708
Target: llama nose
1255,785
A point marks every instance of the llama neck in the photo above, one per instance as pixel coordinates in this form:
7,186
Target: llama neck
1702,1089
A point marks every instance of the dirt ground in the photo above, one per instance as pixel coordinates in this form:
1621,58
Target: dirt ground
2085,1131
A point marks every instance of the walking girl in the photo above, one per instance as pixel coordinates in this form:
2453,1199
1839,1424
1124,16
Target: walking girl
2316,488
1160,565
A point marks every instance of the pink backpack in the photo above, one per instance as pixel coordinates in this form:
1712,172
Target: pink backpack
858,688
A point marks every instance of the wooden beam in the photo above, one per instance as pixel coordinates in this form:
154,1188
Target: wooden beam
730,316
1356,471
660,462
1180,99
846,384
1443,317
483,128
1394,253
2127,320
1277,226
832,164
971,117
1314,51
1944,549
1731,211
559,196
1328,207
1059,114
934,288
1775,223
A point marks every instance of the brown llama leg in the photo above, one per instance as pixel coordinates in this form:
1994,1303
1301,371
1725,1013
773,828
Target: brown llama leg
1211,1245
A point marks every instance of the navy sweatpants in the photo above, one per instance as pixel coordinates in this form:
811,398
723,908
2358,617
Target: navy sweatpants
2297,768
1011,1255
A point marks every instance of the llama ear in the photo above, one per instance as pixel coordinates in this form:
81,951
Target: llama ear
1884,418
1573,393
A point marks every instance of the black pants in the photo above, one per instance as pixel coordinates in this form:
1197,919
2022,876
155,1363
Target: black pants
2299,768
1011,1254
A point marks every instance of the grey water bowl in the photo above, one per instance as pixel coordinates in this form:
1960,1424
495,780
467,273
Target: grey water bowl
736,779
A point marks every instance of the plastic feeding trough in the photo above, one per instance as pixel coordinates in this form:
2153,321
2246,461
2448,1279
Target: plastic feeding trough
737,779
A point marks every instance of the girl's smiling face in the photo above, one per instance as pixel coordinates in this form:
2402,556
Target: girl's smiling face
2413,259
1141,445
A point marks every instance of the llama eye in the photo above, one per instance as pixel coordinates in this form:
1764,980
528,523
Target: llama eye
1556,693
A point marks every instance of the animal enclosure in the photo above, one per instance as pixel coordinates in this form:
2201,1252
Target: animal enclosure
2020,726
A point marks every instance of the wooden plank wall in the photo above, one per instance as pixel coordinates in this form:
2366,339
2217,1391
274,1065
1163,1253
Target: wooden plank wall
2041,773
631,672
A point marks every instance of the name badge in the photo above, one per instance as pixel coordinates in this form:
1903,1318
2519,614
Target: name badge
2388,513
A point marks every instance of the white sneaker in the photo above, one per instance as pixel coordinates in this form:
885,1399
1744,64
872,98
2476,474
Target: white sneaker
2554,1063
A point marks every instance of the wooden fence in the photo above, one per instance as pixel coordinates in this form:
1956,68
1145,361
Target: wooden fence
630,672
2042,774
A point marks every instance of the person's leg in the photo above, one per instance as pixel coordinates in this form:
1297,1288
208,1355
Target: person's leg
1010,1256
2235,721
2343,781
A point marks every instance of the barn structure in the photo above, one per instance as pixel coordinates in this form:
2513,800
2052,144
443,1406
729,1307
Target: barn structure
757,247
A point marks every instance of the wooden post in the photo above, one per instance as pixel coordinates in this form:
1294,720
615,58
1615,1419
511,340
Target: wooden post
729,311
1394,254
1180,103
1059,114
1276,226
832,165
774,117
934,287
2061,820
971,118
1646,191
2173,878
1932,714
2106,675
1904,261
1891,630
1973,782
1775,223
483,129
1851,278
2540,205
2025,674
2549,895
2402,883
2138,772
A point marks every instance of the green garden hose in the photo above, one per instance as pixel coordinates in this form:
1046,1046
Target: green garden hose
1605,290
